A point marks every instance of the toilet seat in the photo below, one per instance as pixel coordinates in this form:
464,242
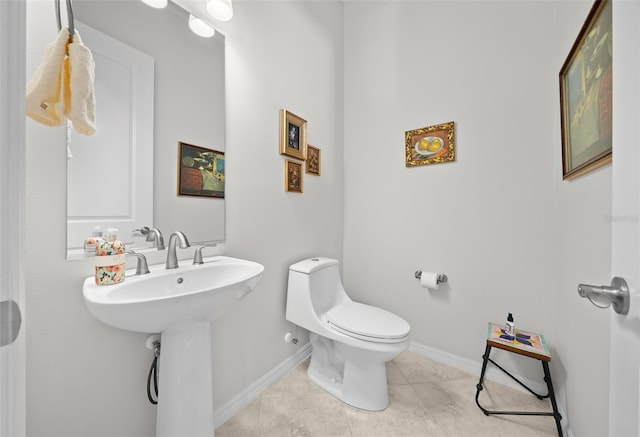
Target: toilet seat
368,323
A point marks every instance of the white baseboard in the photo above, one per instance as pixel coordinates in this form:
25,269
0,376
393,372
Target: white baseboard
249,394
474,367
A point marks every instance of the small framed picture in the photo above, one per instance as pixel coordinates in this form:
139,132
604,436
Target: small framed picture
293,135
293,176
429,145
313,160
200,171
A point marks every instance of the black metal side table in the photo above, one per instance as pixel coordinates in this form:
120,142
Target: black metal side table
527,344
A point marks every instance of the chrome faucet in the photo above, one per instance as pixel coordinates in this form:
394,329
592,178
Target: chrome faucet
172,257
197,256
141,267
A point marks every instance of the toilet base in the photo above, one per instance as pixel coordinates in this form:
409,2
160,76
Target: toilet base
356,376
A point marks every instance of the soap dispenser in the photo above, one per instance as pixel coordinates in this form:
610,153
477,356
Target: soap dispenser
110,260
92,242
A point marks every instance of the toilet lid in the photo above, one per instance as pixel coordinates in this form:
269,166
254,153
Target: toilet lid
368,323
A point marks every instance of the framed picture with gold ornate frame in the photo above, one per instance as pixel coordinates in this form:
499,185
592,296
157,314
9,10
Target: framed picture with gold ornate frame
313,160
293,135
429,145
586,96
293,176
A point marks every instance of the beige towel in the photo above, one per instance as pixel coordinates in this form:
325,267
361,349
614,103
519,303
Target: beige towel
81,77
44,88
63,85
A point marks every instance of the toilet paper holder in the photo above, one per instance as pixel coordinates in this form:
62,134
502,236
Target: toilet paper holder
441,277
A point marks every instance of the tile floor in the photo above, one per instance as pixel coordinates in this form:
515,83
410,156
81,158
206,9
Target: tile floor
427,399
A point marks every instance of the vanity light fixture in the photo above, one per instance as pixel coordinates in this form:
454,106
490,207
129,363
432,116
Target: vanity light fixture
158,4
200,28
196,24
220,9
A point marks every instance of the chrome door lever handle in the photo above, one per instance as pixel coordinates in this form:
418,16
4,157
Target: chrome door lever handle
617,294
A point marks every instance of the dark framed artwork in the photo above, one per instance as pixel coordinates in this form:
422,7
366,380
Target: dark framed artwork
586,96
429,145
313,161
293,135
200,171
293,176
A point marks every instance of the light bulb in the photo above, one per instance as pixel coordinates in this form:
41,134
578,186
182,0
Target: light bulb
220,9
200,28
158,4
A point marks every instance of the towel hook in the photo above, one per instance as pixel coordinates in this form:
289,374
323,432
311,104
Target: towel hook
69,18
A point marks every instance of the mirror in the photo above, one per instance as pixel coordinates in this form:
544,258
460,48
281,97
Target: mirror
119,176
188,108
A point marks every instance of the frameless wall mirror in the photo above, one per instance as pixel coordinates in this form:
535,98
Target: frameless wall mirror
185,104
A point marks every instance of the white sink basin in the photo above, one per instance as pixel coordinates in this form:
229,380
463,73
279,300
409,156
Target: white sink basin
164,299
180,304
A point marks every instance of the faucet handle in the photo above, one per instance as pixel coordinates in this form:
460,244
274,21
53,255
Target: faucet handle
156,236
143,230
197,256
142,268
152,235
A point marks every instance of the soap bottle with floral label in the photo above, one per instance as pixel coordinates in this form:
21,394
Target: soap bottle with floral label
110,259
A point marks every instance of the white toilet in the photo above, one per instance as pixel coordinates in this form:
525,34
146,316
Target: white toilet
351,342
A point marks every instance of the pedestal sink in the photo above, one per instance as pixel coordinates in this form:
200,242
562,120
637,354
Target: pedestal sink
179,304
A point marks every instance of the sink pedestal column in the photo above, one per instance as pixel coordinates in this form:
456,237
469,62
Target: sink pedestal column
185,393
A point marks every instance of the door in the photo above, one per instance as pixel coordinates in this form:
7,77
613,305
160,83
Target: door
625,258
12,127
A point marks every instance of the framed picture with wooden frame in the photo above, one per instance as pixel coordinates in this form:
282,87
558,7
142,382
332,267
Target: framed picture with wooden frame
200,171
313,160
293,176
586,96
293,135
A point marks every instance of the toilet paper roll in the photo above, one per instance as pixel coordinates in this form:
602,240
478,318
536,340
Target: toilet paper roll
429,280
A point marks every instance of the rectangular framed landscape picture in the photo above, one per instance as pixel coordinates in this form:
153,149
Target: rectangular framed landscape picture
586,96
200,171
293,135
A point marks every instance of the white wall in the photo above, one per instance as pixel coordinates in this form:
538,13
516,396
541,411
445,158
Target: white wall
280,55
83,377
486,220
87,379
499,221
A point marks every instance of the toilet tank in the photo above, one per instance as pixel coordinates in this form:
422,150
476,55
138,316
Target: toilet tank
314,288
